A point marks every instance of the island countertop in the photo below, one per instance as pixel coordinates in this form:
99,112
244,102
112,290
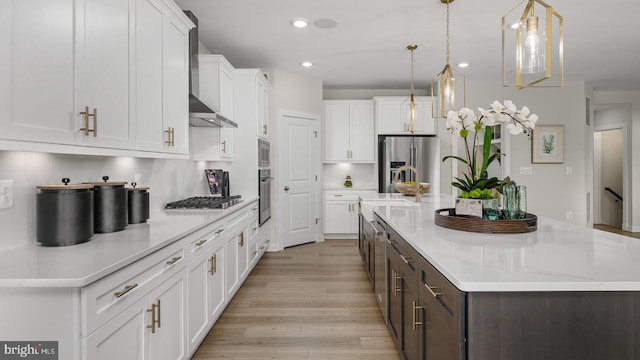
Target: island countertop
558,256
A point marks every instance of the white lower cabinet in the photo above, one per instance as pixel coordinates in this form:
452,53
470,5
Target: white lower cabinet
159,307
206,292
237,264
151,328
341,211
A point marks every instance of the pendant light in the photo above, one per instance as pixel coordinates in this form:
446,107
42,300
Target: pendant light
409,111
529,38
448,88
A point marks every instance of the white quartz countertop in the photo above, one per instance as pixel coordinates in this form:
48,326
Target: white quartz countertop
559,256
81,264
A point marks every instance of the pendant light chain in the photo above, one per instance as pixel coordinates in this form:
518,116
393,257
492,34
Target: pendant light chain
411,71
448,31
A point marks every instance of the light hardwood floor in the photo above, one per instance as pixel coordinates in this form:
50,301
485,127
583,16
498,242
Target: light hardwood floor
311,301
616,230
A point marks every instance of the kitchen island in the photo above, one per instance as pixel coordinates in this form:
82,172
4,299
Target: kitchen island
561,292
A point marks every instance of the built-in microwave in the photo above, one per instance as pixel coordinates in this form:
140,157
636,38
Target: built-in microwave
263,153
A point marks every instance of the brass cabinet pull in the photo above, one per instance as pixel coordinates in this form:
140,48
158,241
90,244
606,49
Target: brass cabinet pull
396,276
431,288
199,243
125,290
264,129
405,259
171,136
241,239
86,121
153,317
254,209
219,231
214,264
159,314
174,260
254,229
155,310
415,316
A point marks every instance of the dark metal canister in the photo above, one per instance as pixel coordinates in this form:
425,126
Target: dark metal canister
138,204
109,206
64,214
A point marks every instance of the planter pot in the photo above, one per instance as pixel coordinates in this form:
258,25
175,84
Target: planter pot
469,207
485,209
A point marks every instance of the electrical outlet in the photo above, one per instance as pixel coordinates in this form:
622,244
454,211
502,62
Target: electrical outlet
569,170
6,194
569,215
137,178
526,170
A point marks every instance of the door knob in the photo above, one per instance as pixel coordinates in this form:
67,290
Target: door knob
286,188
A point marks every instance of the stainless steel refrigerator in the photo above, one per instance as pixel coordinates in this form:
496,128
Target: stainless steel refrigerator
421,152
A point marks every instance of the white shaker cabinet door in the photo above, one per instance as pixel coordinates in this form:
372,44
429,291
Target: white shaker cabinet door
168,341
37,71
361,132
336,132
122,338
102,62
338,217
176,83
148,71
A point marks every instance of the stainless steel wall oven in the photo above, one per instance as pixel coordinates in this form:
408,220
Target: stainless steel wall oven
264,191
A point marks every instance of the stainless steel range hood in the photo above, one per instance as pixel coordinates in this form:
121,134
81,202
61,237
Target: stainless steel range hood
199,113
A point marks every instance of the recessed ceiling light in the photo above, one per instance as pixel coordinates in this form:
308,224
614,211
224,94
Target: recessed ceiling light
463,64
325,23
307,64
300,22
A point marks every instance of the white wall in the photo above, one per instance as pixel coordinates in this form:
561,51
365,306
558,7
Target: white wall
289,92
632,98
168,180
610,155
551,192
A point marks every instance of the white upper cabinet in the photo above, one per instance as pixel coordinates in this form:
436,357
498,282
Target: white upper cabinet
262,105
161,70
390,119
216,84
36,71
114,76
211,143
216,90
103,54
348,131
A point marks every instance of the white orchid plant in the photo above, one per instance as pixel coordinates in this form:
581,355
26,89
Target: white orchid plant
465,122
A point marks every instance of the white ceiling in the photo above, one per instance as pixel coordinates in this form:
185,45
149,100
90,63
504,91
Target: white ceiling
367,50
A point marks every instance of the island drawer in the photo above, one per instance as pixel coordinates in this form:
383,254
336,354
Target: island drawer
107,297
407,256
438,287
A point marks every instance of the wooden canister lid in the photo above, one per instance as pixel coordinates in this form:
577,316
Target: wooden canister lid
64,186
105,182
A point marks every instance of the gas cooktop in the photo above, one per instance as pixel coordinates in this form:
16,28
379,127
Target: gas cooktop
204,203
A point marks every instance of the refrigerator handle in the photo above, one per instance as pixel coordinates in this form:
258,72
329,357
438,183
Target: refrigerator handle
413,151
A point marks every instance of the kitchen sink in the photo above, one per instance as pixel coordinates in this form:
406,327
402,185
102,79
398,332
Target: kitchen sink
367,213
389,202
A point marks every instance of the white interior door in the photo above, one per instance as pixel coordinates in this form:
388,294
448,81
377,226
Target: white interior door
298,194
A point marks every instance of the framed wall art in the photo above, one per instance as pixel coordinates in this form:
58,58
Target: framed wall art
547,145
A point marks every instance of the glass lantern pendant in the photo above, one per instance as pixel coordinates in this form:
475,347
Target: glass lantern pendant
532,46
448,88
409,110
